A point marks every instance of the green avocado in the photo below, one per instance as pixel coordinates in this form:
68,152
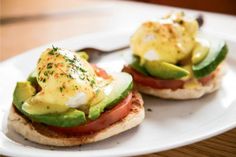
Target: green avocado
135,64
23,91
199,53
165,70
117,90
32,78
217,53
70,118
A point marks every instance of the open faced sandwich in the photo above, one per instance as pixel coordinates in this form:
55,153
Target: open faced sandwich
172,59
67,101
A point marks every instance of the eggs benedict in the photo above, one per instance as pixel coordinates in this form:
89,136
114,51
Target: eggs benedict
66,101
172,59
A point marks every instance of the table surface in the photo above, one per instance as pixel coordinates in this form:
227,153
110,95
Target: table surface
27,24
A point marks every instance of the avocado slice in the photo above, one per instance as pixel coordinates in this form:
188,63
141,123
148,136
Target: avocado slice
115,91
70,118
165,70
135,64
199,53
23,91
217,53
35,106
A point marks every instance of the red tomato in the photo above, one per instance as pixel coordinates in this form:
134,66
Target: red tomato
153,82
206,79
107,118
163,84
100,72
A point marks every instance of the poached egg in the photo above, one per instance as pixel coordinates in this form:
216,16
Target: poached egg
169,39
66,80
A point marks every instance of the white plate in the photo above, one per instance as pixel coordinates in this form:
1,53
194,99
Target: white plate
171,124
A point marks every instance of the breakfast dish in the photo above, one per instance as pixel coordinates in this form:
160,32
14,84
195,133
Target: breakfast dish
66,101
167,124
172,59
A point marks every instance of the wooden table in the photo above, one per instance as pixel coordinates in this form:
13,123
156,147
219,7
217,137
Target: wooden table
27,24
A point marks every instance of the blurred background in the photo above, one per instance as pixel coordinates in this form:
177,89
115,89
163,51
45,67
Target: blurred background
25,24
221,6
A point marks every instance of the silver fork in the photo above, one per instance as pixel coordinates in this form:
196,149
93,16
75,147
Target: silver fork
95,54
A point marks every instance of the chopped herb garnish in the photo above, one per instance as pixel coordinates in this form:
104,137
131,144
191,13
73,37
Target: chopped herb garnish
49,65
39,72
69,76
81,69
57,54
54,48
46,73
92,82
82,77
76,87
50,72
181,22
61,89
51,52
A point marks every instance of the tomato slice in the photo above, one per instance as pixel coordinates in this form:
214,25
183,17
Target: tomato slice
100,72
153,82
107,118
206,79
163,84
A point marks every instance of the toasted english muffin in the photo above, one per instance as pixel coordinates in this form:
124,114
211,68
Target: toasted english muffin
184,93
40,133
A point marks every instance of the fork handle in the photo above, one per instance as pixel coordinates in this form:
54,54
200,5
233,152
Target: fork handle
117,49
